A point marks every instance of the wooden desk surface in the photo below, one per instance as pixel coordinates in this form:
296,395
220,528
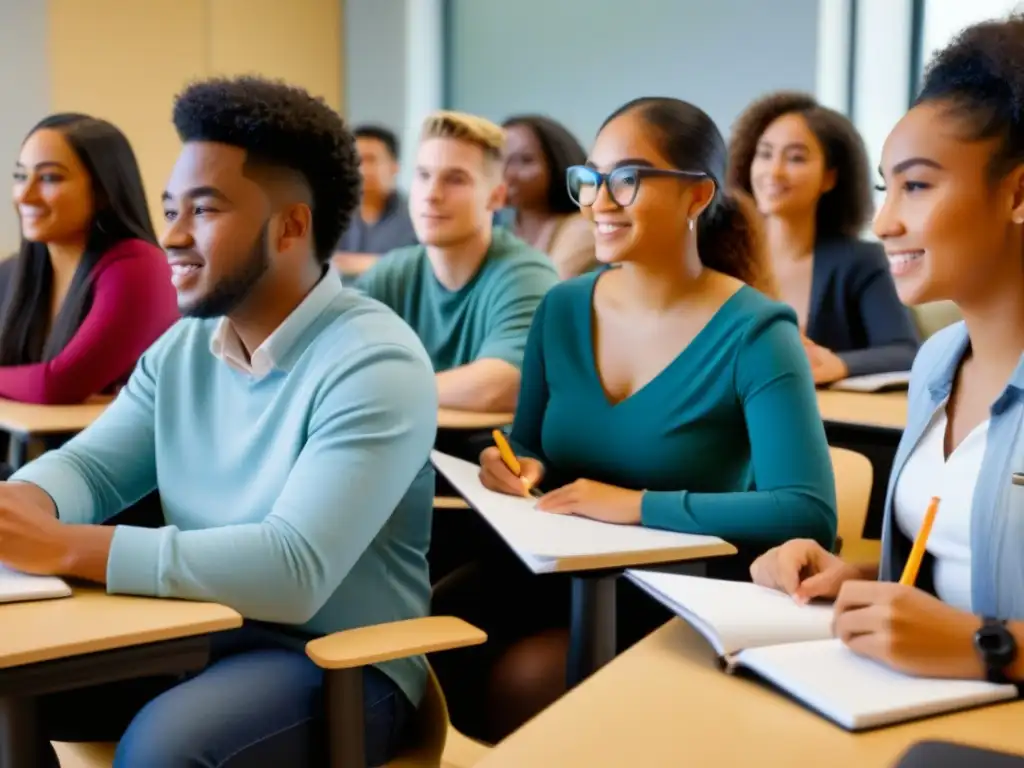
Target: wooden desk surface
665,703
92,621
887,410
451,419
30,419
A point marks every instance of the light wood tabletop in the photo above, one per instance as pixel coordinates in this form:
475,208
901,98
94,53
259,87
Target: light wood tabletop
448,418
666,703
92,621
887,410
30,419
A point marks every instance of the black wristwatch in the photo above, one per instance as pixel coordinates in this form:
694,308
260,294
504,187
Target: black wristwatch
997,647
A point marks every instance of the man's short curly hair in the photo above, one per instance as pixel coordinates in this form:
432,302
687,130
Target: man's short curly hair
844,210
980,77
280,125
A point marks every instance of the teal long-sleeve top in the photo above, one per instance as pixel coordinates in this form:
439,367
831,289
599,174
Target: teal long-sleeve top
727,440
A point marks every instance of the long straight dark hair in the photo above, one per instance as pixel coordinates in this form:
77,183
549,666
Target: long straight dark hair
120,213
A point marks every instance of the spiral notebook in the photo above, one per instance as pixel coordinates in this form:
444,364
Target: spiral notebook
16,587
766,633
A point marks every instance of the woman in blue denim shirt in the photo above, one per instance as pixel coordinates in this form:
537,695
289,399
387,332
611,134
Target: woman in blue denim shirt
953,228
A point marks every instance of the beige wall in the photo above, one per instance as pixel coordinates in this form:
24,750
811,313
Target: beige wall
124,60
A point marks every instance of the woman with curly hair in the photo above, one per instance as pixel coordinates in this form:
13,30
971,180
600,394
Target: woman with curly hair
953,228
806,167
538,153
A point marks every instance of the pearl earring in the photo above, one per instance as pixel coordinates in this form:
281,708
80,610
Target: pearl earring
691,225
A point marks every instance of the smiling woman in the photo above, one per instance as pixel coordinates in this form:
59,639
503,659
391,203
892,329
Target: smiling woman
807,168
538,154
653,394
953,224
89,290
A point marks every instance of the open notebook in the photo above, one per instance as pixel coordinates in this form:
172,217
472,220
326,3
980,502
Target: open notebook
17,587
876,382
546,542
791,646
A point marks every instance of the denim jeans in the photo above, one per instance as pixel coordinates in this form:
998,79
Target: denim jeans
258,703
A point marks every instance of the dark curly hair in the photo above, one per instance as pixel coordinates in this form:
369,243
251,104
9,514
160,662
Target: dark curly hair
280,126
845,209
729,235
981,76
561,149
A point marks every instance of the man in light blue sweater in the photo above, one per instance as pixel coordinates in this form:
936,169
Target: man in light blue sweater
287,425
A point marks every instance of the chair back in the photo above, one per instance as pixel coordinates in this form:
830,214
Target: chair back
854,476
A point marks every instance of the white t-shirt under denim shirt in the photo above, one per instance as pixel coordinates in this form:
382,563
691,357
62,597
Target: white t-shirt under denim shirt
929,473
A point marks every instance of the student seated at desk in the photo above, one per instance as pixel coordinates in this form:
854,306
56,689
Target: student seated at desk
288,423
807,169
667,391
89,290
953,226
470,290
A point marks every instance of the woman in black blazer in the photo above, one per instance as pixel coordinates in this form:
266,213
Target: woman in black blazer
806,167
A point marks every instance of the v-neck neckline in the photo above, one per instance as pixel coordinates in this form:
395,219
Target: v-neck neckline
684,353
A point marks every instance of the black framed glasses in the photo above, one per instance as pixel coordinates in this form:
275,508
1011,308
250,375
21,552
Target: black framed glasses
622,183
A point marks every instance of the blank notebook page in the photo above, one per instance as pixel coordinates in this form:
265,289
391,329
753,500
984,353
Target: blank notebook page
531,532
16,586
742,615
859,693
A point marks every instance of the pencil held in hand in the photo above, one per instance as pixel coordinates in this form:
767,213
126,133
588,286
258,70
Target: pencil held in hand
509,459
909,577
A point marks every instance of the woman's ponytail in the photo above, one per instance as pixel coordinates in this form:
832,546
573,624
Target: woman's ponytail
730,239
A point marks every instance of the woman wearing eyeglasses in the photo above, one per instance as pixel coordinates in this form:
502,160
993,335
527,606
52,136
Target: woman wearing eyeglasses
667,391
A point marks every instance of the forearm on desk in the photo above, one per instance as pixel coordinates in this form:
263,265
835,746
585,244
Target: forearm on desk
88,551
891,358
486,385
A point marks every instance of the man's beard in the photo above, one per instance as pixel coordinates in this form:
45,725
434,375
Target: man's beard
232,290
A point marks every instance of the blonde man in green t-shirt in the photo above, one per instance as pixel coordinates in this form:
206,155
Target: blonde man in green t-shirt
469,289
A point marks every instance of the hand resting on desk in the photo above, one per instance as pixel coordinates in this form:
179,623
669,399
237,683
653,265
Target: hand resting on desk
804,569
902,627
33,540
584,498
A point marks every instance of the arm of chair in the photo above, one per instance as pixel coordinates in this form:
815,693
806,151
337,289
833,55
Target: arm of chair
394,640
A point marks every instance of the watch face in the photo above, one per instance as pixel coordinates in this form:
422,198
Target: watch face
997,644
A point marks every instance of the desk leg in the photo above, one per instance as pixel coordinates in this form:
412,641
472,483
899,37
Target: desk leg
592,628
17,451
20,744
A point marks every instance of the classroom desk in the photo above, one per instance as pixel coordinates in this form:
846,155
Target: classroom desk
665,703
26,420
871,425
89,639
448,418
885,411
592,554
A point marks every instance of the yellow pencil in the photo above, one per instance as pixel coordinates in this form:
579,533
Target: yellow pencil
508,456
913,565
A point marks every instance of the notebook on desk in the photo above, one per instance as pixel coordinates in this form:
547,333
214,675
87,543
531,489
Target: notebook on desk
791,646
16,587
546,542
874,383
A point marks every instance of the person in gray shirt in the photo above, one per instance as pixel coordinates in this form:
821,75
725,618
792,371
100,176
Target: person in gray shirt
381,223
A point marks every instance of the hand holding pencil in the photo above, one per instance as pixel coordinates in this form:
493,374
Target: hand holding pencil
501,470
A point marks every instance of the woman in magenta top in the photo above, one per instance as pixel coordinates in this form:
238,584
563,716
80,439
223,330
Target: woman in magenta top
89,290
